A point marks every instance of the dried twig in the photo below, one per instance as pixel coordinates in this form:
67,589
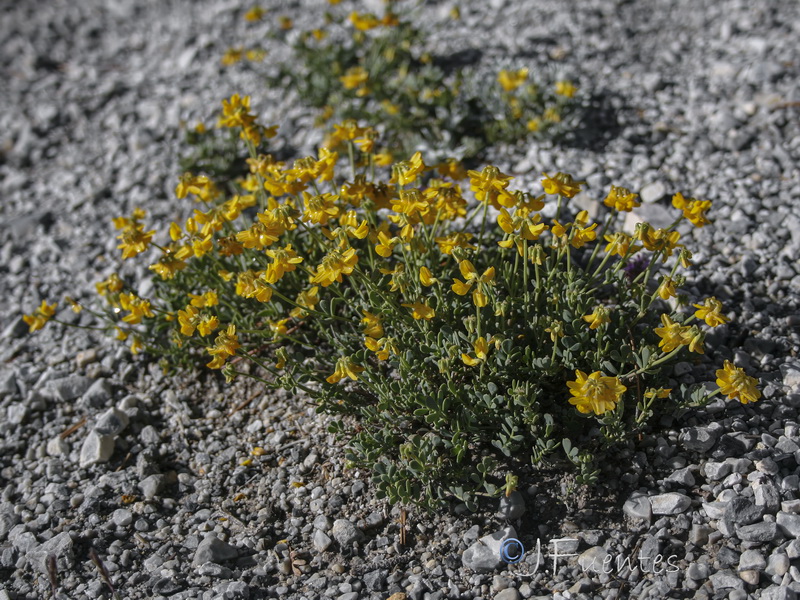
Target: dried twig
104,574
72,429
52,573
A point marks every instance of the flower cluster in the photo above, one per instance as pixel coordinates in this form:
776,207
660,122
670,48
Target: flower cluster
435,303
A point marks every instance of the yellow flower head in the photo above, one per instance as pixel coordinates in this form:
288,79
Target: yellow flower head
666,289
511,80
710,311
334,265
673,335
225,346
621,199
561,184
481,348
566,89
345,367
599,317
486,184
236,112
372,325
420,311
354,77
735,383
364,21
620,244
693,210
595,393
138,307
40,316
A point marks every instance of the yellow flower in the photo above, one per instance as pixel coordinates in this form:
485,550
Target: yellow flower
40,316
208,299
306,300
471,277
481,347
372,325
534,125
595,393
735,383
566,89
710,311
673,335
556,330
420,310
426,278
254,14
694,338
364,21
334,264
354,77
111,285
383,348
621,199
284,260
487,183
236,112
693,210
137,306
345,367
406,172
232,56
511,80
620,243
134,238
561,184
599,317
455,240
666,288
657,393
659,239
385,244
225,346
137,345
285,23
320,208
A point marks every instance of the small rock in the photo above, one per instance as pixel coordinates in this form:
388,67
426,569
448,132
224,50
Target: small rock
778,592
671,503
723,580
98,394
752,560
122,517
484,554
699,534
638,507
213,549
791,374
789,524
508,594
57,446
512,507
767,495
743,511
69,388
758,532
717,471
96,448
593,559
321,541
111,422
60,546
778,564
653,192
86,357
345,533
151,486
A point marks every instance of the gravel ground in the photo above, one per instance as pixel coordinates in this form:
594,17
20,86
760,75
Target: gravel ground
101,450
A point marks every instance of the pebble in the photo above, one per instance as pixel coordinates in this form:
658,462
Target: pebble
345,533
96,448
512,507
212,549
671,503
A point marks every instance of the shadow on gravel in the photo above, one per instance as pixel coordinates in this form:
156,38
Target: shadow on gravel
597,124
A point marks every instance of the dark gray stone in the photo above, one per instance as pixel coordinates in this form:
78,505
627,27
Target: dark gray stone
213,549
